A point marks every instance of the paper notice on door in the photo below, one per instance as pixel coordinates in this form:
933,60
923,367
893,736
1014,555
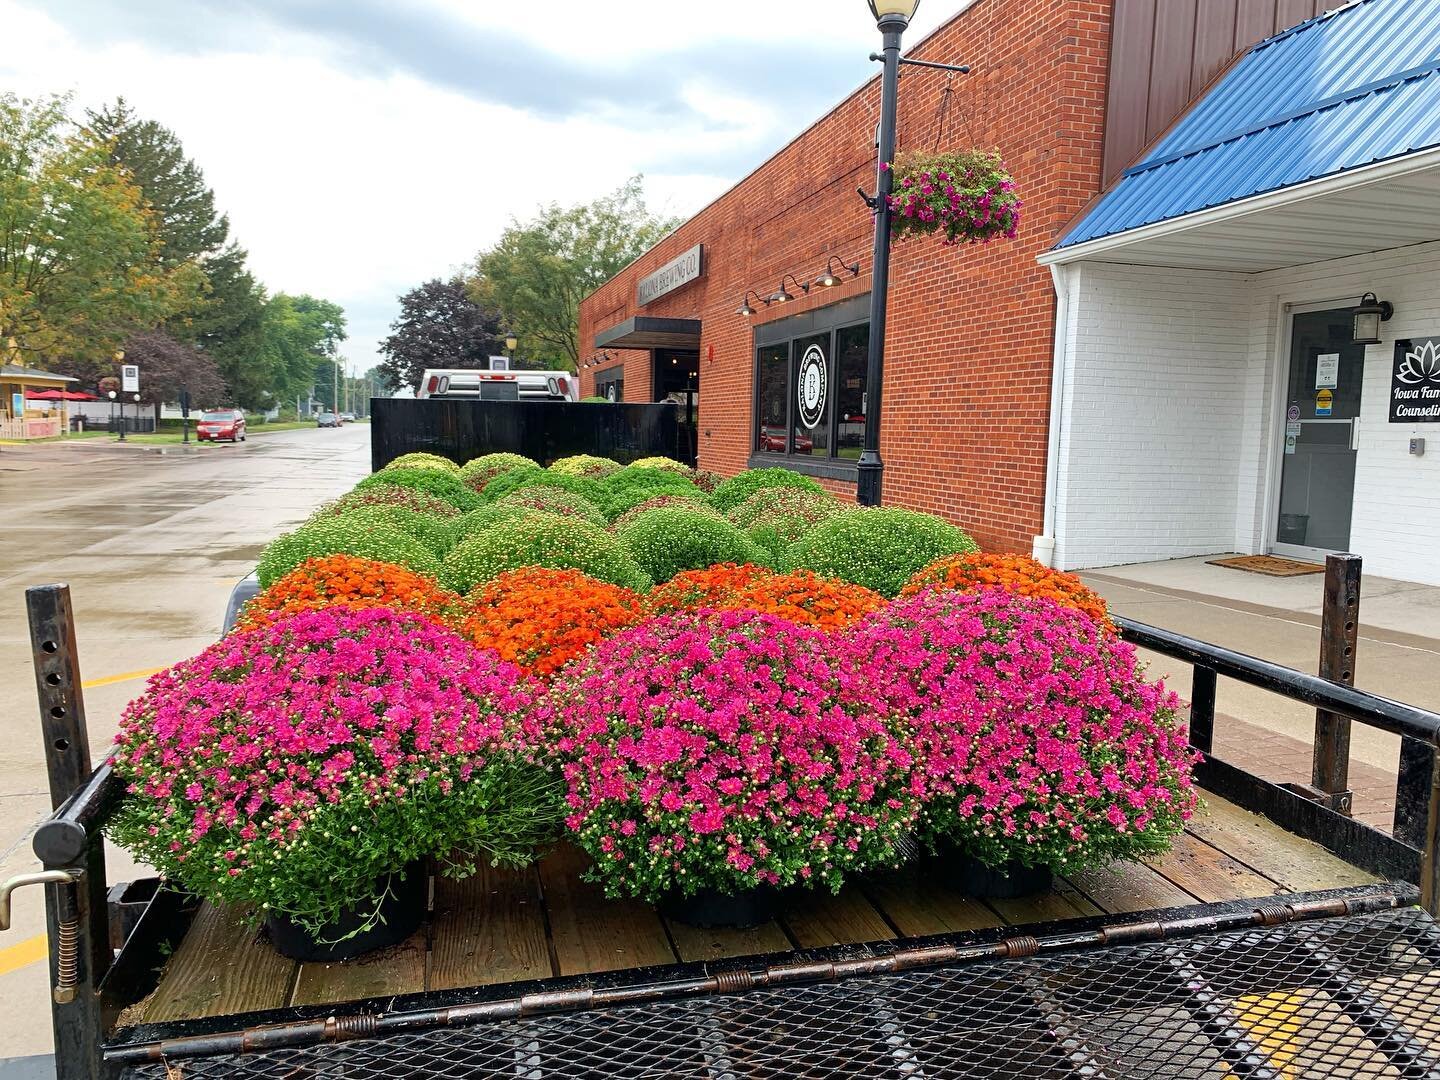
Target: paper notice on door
1292,428
1327,371
1290,443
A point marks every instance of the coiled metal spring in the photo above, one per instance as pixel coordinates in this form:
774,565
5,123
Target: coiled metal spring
67,960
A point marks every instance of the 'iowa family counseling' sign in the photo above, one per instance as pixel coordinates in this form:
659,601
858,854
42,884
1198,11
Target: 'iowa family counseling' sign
1415,382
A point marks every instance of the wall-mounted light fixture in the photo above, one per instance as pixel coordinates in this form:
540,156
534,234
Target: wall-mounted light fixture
829,279
782,295
745,309
1368,317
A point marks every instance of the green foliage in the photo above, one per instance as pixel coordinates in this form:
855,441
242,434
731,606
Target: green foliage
775,517
732,492
369,534
878,547
586,465
441,484
439,326
79,250
519,479
436,533
389,495
538,271
550,499
423,461
595,401
657,502
543,540
665,463
665,541
477,472
635,484
468,526
228,323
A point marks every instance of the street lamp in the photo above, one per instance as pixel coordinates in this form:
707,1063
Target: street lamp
111,395
511,344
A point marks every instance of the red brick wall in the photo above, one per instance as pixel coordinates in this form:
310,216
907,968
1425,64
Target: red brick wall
968,352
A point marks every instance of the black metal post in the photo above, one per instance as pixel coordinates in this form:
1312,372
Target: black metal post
77,919
1430,851
871,469
1202,708
1412,791
1339,634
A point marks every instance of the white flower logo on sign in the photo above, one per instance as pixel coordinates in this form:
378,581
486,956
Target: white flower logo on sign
1422,365
810,386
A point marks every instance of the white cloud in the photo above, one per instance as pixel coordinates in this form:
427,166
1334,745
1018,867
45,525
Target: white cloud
355,184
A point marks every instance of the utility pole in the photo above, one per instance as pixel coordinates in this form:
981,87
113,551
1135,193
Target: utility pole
335,393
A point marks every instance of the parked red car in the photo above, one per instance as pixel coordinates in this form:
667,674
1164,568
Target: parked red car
221,424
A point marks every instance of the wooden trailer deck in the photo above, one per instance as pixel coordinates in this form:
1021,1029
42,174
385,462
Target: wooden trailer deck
503,926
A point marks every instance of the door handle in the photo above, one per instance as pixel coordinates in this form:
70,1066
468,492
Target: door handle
1355,433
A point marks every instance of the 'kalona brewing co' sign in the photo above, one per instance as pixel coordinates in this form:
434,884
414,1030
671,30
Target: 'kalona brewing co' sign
1415,382
810,386
678,271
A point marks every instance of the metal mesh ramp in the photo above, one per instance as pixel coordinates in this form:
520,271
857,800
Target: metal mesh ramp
1350,996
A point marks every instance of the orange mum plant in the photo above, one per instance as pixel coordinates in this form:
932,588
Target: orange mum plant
799,596
539,618
350,581
1018,573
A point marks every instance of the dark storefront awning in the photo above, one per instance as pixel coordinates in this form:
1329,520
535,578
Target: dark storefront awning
643,332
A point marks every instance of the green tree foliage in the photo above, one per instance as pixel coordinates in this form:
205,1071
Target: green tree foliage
298,339
439,326
79,250
229,323
168,366
537,273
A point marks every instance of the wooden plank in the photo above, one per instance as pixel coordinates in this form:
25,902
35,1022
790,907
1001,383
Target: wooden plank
222,966
400,969
917,904
1295,864
1063,902
489,928
590,933
694,943
1210,874
817,918
1124,887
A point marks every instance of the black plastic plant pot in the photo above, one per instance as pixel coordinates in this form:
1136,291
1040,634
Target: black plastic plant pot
969,875
401,912
711,909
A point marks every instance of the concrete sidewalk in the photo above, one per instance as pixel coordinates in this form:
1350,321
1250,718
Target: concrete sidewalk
1278,619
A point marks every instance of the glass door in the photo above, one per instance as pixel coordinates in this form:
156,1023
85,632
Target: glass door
1317,471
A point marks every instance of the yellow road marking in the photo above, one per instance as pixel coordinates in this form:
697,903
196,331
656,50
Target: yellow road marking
126,677
22,954
1275,1022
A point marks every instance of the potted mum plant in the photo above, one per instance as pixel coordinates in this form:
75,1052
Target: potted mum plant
968,195
713,759
1039,744
306,769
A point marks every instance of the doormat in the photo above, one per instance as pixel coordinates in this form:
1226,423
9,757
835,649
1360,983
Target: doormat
1269,564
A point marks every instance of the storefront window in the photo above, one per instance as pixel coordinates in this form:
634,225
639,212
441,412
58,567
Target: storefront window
810,387
772,383
610,384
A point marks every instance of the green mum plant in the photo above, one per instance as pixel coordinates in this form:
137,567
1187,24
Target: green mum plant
775,517
443,485
523,479
665,463
368,534
477,472
423,461
468,526
549,499
543,540
879,547
665,541
436,533
634,484
390,495
689,502
734,491
586,466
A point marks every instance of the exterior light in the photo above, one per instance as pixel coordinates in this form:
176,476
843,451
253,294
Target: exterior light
111,395
512,342
1368,317
829,280
782,295
119,355
902,9
745,309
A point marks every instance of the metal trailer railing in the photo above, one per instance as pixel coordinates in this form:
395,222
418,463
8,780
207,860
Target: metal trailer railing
91,984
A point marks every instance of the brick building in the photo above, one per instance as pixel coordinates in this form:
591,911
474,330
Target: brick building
1070,92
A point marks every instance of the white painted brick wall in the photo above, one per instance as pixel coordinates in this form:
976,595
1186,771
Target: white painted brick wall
1152,416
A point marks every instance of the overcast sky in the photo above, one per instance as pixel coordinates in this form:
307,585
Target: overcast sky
363,146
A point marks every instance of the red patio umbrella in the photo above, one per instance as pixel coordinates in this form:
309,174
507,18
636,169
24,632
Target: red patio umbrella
58,395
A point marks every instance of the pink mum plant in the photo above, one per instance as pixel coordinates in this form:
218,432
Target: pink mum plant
728,752
1037,738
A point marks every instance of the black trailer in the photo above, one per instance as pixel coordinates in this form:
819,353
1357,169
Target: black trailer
1280,939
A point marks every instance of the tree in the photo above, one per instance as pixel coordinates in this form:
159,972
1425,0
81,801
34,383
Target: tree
188,227
78,248
439,326
167,366
228,323
537,273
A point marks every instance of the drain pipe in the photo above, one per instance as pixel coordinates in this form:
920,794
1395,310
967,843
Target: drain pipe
1044,546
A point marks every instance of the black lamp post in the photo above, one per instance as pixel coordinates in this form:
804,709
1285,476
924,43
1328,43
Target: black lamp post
511,344
892,17
111,395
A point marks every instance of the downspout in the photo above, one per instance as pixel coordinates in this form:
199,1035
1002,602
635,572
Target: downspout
1044,546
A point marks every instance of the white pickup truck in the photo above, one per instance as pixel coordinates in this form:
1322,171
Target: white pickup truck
499,385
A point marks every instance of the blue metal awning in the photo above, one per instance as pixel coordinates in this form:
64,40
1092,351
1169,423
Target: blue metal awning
1350,88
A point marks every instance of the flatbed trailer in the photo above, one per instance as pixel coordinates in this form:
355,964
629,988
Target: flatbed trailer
1278,939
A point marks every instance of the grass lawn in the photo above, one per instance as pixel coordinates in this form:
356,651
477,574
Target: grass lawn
159,438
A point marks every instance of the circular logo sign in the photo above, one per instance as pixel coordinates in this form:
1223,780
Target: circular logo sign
612,393
810,386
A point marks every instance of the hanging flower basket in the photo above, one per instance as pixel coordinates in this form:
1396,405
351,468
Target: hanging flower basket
967,194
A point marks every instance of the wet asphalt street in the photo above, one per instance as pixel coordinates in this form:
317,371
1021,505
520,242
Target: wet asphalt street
150,545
